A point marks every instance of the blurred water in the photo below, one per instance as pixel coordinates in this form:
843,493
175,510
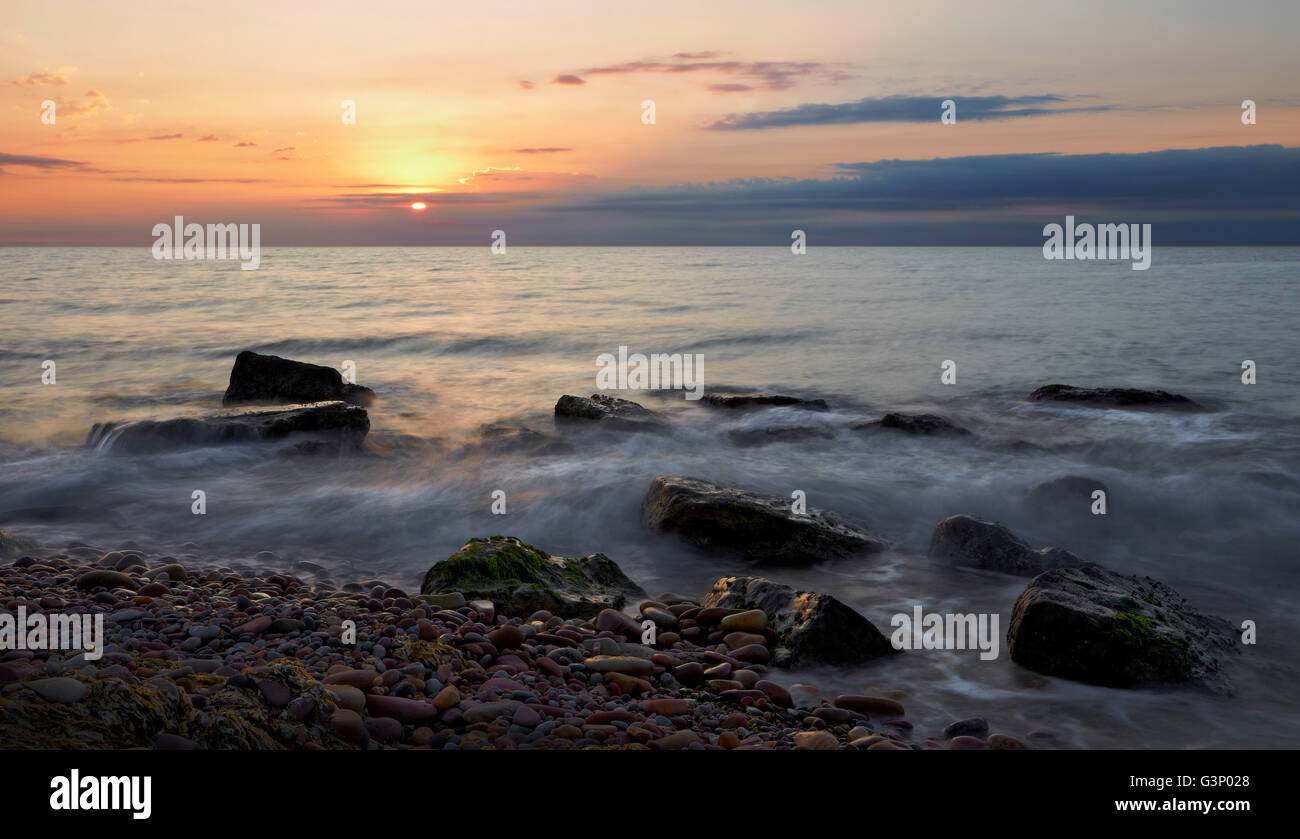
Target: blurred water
453,338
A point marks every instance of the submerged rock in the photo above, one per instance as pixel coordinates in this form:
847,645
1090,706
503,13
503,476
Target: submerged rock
521,579
913,424
518,439
333,421
812,628
1097,626
609,411
762,400
976,543
11,545
1112,397
1068,497
761,528
779,434
270,378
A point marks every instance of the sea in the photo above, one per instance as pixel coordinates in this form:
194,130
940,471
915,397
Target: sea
452,339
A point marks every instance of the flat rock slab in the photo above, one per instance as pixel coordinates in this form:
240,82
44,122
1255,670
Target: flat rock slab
748,401
1094,625
334,421
761,528
1112,397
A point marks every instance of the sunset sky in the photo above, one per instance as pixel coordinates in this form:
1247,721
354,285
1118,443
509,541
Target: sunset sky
770,116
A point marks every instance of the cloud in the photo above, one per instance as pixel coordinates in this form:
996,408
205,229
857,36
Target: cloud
245,144
903,109
526,85
730,88
154,138
567,79
39,79
1226,179
38,162
768,75
92,103
544,150
209,138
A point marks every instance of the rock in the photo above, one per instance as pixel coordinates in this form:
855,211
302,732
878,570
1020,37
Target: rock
384,729
753,620
764,435
628,684
1068,497
976,543
59,689
11,546
745,401
676,740
815,741
347,696
812,627
1004,743
1094,625
256,626
172,571
661,617
452,600
276,694
608,411
506,637
758,527
975,727
965,742
488,711
349,726
107,579
522,579
334,422
1112,397
446,698
775,693
269,378
870,705
629,665
913,424
403,710
667,707
503,438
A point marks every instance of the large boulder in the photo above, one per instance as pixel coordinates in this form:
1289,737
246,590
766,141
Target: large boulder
521,579
608,411
977,543
913,424
1112,397
762,528
269,378
812,628
324,422
746,401
1097,626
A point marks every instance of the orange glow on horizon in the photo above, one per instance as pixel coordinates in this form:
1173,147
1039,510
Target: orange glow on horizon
418,205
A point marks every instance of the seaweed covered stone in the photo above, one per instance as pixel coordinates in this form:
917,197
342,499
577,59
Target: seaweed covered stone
521,579
1095,625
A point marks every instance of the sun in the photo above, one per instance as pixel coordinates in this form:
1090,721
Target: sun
419,205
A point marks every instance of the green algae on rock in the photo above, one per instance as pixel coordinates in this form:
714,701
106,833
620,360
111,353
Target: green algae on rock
520,578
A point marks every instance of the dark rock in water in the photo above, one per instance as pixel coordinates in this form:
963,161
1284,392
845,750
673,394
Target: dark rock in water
269,378
976,543
913,424
1094,625
607,410
975,726
521,579
775,434
518,439
11,545
759,527
1068,497
1112,397
762,400
336,421
814,628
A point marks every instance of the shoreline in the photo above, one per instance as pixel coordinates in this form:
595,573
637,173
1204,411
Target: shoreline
214,659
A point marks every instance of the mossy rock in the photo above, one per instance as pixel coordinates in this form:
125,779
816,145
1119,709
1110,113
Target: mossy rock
520,579
1094,625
